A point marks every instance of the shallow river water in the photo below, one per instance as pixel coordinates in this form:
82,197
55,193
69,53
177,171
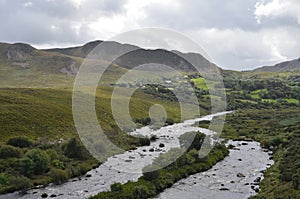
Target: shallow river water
236,177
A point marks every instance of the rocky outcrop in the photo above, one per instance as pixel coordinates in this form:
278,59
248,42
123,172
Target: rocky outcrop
72,69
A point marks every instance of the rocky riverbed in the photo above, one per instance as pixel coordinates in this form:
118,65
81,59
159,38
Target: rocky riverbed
236,177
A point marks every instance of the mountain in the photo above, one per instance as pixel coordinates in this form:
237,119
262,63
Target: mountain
83,51
288,66
138,56
22,65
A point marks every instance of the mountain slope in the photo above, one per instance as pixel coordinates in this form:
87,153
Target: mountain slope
287,66
22,65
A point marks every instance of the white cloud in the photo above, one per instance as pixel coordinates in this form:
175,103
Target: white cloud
277,8
239,49
28,4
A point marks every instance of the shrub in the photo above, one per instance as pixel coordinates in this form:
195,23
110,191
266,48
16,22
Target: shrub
276,141
35,161
7,151
195,154
141,192
4,179
74,149
116,187
185,159
58,164
27,166
59,176
21,182
296,180
144,141
150,172
52,154
20,141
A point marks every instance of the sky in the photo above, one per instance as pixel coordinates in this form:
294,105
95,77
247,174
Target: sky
236,34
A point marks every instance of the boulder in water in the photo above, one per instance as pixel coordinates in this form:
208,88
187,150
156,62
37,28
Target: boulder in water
240,175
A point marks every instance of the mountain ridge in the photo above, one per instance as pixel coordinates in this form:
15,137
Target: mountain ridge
286,66
21,63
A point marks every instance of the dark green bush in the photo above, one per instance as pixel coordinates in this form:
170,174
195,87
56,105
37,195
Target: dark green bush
27,166
144,141
116,187
4,179
20,141
58,176
35,161
7,151
150,172
141,192
21,182
74,149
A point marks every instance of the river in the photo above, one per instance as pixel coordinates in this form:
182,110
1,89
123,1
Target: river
236,177
128,166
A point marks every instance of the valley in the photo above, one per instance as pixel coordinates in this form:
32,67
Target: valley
37,124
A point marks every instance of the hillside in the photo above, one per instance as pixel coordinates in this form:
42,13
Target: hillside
288,66
22,65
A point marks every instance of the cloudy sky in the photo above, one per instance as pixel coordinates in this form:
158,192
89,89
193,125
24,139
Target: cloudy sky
236,34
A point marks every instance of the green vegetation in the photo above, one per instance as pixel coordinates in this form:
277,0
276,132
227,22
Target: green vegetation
277,130
39,143
200,83
38,164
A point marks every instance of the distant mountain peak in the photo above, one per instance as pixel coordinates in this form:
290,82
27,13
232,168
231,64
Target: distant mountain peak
19,51
287,66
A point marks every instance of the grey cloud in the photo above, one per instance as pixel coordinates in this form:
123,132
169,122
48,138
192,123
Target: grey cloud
33,23
205,14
